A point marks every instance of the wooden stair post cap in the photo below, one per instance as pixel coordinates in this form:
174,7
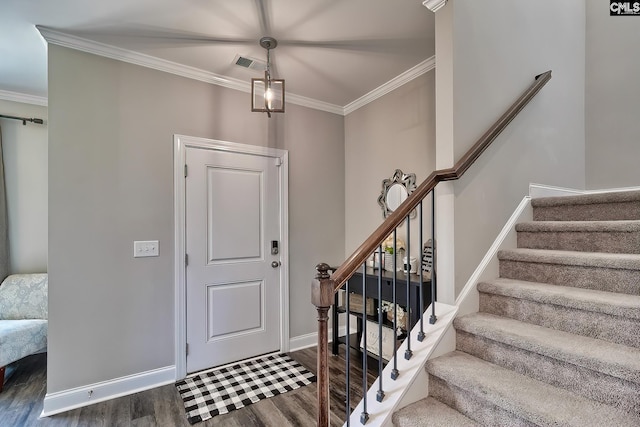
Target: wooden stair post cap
322,287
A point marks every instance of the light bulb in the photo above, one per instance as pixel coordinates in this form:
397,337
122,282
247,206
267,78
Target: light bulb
268,97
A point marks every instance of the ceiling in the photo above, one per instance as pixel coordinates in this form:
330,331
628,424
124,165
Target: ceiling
333,51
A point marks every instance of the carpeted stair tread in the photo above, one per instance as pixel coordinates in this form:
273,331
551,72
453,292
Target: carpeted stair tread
587,199
612,303
613,359
588,207
573,258
533,401
430,412
579,226
583,236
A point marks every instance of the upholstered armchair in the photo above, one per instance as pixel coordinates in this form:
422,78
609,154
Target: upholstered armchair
23,318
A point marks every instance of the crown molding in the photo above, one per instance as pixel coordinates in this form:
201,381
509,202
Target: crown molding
314,103
148,61
434,5
78,43
23,98
412,73
136,58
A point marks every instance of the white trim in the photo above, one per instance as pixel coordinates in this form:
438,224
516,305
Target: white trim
304,101
148,61
284,245
181,142
66,400
411,370
541,190
434,5
180,249
23,98
412,73
78,43
309,340
468,299
304,341
612,190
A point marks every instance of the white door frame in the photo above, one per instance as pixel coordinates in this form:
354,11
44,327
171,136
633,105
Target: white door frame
180,144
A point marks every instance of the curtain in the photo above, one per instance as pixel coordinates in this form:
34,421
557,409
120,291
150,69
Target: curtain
4,229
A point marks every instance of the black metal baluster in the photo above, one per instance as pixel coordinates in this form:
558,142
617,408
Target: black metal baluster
380,394
408,353
421,333
364,417
348,355
433,317
394,371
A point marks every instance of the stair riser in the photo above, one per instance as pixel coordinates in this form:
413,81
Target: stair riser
621,330
473,406
598,278
610,242
590,384
592,212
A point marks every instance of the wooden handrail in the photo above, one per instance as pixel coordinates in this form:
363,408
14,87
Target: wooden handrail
346,270
325,285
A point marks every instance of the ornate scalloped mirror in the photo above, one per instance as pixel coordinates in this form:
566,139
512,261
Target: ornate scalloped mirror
395,190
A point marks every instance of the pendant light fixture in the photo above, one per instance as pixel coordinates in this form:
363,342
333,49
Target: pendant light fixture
267,95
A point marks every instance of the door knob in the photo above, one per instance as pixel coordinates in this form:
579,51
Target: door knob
275,264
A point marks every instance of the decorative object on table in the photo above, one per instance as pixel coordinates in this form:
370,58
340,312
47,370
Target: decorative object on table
409,265
390,252
395,190
355,303
388,344
226,389
427,256
401,324
375,258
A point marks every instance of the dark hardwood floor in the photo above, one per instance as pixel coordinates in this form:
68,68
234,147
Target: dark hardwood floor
21,401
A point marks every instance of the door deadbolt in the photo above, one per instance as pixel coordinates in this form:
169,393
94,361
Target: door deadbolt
275,264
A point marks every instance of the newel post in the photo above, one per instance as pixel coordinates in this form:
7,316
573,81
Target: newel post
322,298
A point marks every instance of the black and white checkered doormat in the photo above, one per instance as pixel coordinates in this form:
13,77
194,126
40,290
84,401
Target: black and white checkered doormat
227,389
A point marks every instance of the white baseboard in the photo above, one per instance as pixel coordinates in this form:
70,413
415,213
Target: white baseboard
62,401
541,190
309,340
468,299
303,341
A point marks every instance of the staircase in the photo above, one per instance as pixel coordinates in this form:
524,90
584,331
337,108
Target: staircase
557,338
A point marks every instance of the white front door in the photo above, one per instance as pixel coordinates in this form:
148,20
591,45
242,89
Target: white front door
232,278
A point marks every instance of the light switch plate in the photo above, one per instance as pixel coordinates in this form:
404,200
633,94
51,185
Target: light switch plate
145,248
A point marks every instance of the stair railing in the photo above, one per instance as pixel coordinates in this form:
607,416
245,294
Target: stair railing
325,286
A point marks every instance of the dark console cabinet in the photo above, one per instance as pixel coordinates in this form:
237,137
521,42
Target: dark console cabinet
357,285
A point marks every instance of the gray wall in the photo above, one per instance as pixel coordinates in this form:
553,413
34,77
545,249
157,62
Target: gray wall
396,131
612,98
111,182
498,46
25,166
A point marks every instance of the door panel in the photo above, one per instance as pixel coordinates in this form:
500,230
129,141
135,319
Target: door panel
225,299
233,236
233,292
